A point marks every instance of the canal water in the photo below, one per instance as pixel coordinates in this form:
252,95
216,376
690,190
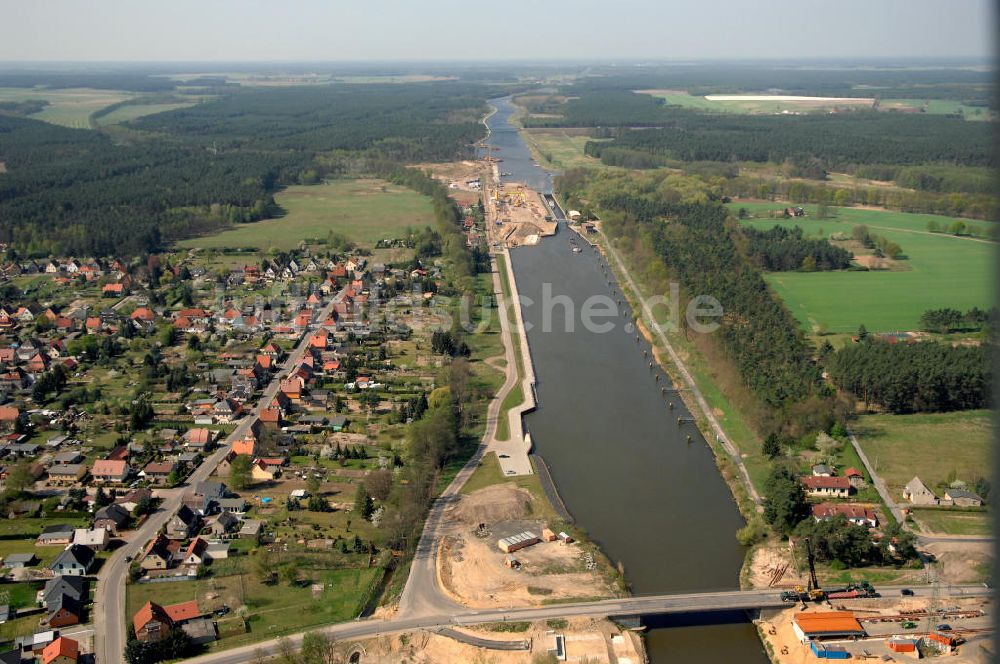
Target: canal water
651,499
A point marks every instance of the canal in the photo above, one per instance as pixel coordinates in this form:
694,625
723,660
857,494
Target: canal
651,499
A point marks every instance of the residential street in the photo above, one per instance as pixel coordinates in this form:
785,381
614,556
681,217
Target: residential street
109,596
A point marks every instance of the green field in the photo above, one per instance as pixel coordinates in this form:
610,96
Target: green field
937,447
70,107
133,111
954,522
943,107
272,610
943,271
559,149
363,210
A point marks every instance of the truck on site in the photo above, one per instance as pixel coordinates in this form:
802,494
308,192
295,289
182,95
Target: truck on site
813,593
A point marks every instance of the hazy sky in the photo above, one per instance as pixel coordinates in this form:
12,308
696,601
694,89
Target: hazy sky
257,30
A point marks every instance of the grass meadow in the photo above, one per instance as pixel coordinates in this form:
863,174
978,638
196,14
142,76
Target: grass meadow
70,107
937,447
941,271
362,210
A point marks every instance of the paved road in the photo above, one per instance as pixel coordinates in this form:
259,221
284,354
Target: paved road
109,596
629,606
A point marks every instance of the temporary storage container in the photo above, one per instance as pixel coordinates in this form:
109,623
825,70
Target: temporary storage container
828,652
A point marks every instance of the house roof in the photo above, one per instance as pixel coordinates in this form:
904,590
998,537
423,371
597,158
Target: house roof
853,472
90,537
66,469
135,495
21,558
109,467
828,622
74,553
186,515
196,547
198,436
148,613
814,482
120,453
916,485
73,586
184,611
61,647
850,511
58,529
159,467
960,493
114,512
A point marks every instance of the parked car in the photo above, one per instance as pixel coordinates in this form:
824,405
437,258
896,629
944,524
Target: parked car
943,627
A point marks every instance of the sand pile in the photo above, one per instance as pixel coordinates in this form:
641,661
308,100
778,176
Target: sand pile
502,502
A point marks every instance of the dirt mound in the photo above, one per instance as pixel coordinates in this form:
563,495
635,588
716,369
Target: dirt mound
501,502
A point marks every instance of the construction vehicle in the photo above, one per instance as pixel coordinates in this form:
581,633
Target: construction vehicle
815,594
853,591
812,592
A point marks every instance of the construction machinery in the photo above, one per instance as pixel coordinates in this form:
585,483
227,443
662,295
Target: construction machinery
813,593
810,593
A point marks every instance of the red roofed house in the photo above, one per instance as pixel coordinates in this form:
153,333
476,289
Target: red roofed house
159,471
120,453
860,515
831,487
248,444
855,477
262,472
61,651
270,417
292,388
113,289
143,314
184,611
194,555
9,416
107,470
151,623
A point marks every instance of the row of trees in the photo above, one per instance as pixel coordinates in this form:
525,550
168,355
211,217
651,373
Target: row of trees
880,244
943,321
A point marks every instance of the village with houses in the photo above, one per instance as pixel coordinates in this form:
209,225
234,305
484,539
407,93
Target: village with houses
289,379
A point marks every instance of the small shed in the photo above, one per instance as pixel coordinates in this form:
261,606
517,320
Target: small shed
900,644
548,535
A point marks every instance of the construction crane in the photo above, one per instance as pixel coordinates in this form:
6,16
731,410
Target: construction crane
816,594
812,592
